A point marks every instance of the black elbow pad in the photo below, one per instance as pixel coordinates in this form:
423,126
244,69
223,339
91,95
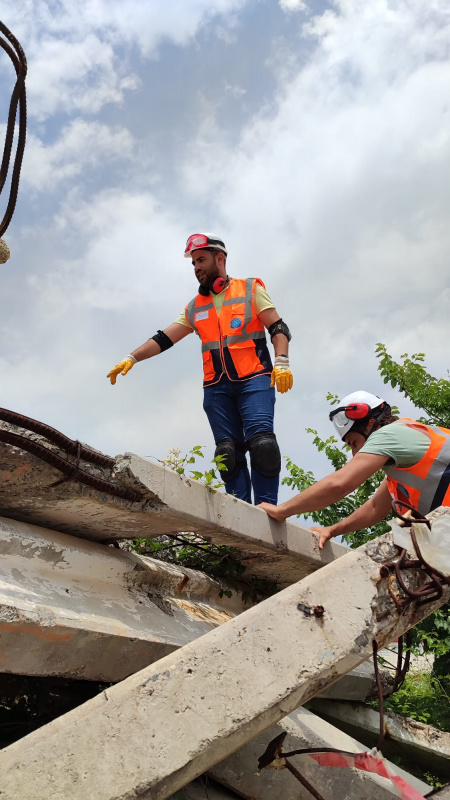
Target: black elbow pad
279,327
163,340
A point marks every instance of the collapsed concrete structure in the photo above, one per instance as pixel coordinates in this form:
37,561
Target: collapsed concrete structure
207,676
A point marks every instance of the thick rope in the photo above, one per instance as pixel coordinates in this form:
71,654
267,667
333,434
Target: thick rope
18,104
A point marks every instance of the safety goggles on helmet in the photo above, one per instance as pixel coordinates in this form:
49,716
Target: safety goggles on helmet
200,241
356,407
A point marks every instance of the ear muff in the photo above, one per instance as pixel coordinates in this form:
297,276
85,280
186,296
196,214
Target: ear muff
357,411
218,285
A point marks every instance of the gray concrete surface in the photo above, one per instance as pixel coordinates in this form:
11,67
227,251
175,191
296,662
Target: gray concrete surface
73,608
117,611
159,729
169,503
419,744
304,730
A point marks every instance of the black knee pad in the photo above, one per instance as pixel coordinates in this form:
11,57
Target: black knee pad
230,449
265,454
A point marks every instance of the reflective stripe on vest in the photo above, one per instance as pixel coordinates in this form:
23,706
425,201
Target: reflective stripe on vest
428,482
224,336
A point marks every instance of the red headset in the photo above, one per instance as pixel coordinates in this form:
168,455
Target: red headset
357,410
353,411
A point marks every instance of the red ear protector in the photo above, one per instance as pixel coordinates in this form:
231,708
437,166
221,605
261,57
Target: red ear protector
217,287
353,411
357,411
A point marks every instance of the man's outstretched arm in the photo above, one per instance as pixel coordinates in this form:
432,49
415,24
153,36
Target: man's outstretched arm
330,489
164,339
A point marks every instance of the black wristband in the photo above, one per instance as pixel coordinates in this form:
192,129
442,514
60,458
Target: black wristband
163,340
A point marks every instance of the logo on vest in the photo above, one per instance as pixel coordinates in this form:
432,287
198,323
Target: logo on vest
201,315
235,322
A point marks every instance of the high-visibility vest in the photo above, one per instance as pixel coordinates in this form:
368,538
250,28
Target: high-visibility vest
233,342
426,485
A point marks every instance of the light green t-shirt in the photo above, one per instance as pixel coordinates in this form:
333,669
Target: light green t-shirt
262,302
405,446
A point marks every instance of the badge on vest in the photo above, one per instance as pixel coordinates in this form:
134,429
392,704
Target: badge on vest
235,322
201,315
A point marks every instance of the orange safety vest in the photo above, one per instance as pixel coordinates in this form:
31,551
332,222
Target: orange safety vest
426,485
233,342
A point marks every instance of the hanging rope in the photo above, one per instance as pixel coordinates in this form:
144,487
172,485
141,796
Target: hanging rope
18,105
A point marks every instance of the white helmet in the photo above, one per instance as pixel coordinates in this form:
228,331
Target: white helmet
204,241
354,407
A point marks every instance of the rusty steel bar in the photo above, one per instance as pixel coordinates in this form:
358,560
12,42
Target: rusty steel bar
56,437
67,468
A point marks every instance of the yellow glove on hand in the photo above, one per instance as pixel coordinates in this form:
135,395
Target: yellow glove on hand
123,367
282,376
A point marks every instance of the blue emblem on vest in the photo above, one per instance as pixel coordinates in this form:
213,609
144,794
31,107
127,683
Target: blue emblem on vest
235,322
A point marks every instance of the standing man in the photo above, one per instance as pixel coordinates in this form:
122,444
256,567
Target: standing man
415,458
230,315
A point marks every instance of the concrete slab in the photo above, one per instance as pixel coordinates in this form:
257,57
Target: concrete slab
157,730
119,611
305,730
167,503
73,608
420,744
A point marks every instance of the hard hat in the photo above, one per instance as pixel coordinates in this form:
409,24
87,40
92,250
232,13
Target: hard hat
353,408
201,241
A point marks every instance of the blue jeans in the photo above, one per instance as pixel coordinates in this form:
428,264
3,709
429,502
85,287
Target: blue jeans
238,410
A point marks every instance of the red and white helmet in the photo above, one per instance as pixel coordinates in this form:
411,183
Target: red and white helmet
354,408
203,241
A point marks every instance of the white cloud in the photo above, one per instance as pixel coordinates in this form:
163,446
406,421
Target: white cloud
335,195
78,51
293,5
80,145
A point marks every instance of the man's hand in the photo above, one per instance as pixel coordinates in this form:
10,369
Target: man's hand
325,534
273,511
282,376
123,367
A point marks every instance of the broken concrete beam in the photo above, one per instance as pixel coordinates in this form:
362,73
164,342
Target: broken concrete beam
418,744
73,608
159,729
119,611
161,502
305,730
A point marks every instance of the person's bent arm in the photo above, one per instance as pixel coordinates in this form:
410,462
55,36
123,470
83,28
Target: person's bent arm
330,489
173,334
373,511
281,376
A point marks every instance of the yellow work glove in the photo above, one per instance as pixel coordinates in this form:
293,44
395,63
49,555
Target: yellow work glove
123,367
281,375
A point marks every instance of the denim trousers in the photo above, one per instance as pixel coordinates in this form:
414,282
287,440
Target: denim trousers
238,410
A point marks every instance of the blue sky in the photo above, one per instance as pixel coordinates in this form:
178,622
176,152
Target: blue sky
314,137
